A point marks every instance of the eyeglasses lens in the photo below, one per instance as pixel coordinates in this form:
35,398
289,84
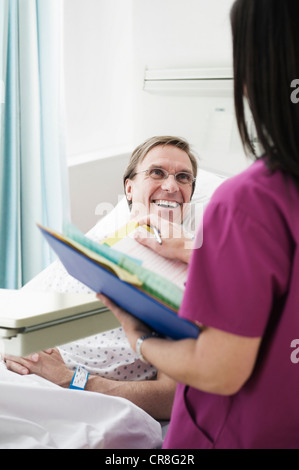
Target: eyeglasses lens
160,174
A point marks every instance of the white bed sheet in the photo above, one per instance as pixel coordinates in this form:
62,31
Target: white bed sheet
36,414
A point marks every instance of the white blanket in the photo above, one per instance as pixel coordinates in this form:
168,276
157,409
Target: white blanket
36,414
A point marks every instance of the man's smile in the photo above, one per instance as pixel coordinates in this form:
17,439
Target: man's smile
166,204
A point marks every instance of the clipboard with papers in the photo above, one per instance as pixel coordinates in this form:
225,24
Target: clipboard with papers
145,294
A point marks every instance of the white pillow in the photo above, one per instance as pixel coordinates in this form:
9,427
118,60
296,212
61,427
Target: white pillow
115,219
206,183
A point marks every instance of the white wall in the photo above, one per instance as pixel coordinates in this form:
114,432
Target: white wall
171,34
108,45
98,74
96,187
98,58
182,33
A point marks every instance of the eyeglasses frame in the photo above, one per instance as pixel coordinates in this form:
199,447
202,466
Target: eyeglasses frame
168,174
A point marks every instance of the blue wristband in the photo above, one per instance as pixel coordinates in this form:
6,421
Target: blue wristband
79,379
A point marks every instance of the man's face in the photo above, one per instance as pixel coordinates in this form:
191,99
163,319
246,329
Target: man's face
162,197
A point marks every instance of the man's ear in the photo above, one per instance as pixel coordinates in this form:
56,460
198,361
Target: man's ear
129,189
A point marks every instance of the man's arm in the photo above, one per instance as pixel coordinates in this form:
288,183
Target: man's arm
153,396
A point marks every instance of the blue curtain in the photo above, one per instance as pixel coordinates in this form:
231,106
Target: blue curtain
33,171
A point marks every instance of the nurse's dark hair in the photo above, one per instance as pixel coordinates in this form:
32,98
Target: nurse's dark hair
266,62
142,150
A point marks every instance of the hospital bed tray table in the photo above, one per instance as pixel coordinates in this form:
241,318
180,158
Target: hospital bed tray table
33,321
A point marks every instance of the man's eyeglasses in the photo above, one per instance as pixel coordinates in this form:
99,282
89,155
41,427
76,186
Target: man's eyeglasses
159,174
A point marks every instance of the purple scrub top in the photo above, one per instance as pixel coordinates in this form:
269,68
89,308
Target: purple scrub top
245,280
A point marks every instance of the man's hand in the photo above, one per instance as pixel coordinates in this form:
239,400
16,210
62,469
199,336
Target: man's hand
47,364
175,242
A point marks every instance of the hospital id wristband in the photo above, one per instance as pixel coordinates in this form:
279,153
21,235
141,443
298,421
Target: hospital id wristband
79,379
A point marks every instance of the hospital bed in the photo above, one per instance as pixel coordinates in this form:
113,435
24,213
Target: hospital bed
35,413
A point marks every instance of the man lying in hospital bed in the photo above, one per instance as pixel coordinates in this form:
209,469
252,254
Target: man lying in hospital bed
114,367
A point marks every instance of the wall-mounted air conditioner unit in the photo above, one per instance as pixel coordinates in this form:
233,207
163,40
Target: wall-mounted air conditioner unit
198,81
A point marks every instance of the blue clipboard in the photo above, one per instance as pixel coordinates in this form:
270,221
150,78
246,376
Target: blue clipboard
130,298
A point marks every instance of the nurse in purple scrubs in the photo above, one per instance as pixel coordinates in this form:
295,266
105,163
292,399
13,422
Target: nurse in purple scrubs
238,383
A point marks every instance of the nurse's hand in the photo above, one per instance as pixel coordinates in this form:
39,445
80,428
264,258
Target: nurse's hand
176,244
133,327
47,364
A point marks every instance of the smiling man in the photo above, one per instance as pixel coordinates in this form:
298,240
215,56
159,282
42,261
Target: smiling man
160,178
159,181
